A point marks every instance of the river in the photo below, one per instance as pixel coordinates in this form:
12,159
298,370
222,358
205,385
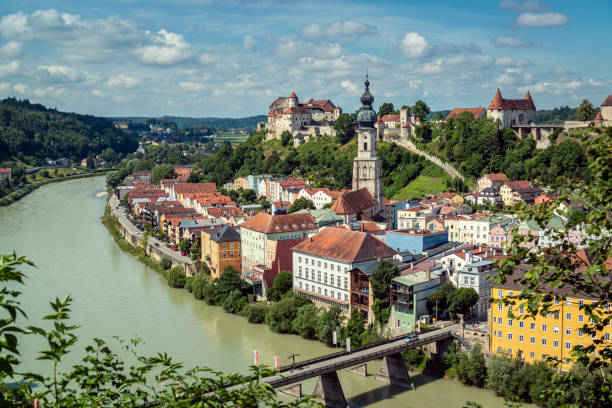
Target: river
58,228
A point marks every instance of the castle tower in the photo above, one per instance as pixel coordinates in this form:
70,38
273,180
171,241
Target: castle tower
367,167
293,100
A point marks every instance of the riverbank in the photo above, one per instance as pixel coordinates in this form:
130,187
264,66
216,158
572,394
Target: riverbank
28,188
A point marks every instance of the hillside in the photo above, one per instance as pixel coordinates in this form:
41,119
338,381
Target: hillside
217,124
32,132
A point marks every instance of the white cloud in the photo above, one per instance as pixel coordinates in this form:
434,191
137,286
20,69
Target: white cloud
21,88
11,48
415,46
10,68
349,87
122,80
4,86
98,93
337,29
594,82
292,48
511,62
167,48
192,86
49,91
542,20
502,41
553,88
415,83
248,43
529,5
61,73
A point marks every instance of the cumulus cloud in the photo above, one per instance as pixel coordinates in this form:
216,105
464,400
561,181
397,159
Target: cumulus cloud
167,48
121,80
21,88
10,68
541,20
11,49
502,41
248,43
349,87
294,48
529,5
415,46
337,29
192,86
60,73
554,88
511,62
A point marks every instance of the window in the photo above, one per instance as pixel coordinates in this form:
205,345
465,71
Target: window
499,293
521,310
499,334
509,336
325,278
567,361
299,259
531,354
556,329
568,345
544,328
231,246
319,276
580,318
569,301
346,298
500,307
556,343
532,326
521,338
494,333
543,342
521,324
568,331
510,322
345,283
581,303
607,337
580,333
568,316
532,340
331,279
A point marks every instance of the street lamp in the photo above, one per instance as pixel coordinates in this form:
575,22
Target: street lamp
292,357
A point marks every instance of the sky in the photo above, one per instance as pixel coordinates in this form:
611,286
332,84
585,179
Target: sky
231,58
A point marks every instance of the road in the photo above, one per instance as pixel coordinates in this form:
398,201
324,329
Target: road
176,257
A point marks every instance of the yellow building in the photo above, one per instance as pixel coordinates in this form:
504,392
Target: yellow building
537,338
241,182
221,248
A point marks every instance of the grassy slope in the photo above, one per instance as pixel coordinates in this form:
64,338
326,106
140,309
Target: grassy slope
420,186
232,138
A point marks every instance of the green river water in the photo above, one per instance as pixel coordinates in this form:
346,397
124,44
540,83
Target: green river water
58,228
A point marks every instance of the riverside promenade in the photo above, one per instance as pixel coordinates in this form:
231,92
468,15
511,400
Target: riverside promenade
155,248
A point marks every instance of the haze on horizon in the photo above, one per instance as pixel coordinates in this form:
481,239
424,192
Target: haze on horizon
203,58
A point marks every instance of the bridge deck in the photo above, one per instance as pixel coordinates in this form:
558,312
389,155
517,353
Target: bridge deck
335,362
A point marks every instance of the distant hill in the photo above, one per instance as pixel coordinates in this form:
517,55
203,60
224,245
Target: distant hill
33,132
219,124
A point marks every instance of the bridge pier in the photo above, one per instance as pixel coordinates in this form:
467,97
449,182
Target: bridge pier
361,369
393,371
328,391
294,390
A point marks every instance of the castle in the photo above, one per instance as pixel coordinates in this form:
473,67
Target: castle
512,112
303,120
367,166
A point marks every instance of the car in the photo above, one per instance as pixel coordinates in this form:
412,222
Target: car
411,337
183,253
156,244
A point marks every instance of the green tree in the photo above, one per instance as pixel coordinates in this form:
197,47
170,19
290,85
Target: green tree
249,195
183,245
386,109
165,263
464,300
423,132
343,126
176,277
477,371
505,378
420,109
328,322
585,111
228,282
235,302
196,250
301,203
355,327
162,171
255,314
286,138
305,321
282,313
381,279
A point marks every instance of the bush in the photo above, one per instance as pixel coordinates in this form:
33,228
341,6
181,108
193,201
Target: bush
234,302
188,283
281,314
176,277
165,263
255,314
305,321
197,286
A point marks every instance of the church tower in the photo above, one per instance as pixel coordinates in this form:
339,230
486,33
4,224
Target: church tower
367,167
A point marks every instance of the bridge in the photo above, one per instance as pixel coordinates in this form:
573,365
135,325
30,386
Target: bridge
392,369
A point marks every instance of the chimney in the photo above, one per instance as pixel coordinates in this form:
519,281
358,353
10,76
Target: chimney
428,274
494,252
487,254
411,265
479,249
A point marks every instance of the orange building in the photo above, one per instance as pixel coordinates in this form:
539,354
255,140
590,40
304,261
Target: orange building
221,248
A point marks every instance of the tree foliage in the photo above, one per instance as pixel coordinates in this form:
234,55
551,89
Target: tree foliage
301,203
585,111
343,126
381,279
163,171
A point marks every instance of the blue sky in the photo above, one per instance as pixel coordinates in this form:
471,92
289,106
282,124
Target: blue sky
233,57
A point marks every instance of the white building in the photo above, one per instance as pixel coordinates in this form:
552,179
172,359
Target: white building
512,112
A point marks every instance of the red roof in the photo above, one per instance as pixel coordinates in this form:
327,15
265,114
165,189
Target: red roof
270,224
598,117
3,170
293,95
496,177
608,101
353,202
345,245
296,109
508,104
391,118
518,184
477,112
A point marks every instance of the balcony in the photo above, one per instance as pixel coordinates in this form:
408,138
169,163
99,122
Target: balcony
360,306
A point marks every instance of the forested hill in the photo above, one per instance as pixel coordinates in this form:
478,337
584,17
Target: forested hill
218,124
32,132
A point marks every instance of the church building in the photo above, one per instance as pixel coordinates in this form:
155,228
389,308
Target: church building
367,167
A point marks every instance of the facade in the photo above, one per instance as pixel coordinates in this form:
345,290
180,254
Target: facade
489,195
474,230
409,294
492,181
221,248
475,275
322,264
513,192
254,234
352,204
512,112
415,242
241,183
367,167
553,335
606,109
6,174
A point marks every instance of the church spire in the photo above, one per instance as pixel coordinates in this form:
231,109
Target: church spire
366,116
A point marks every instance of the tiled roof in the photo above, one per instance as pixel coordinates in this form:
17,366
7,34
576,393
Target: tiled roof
519,184
296,109
477,112
3,170
496,177
293,95
508,104
391,118
344,245
608,101
353,202
270,224
226,234
599,117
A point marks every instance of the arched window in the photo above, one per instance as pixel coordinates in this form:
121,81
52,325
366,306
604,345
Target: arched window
365,146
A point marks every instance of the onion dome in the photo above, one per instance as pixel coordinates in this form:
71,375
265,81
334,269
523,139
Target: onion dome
366,116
